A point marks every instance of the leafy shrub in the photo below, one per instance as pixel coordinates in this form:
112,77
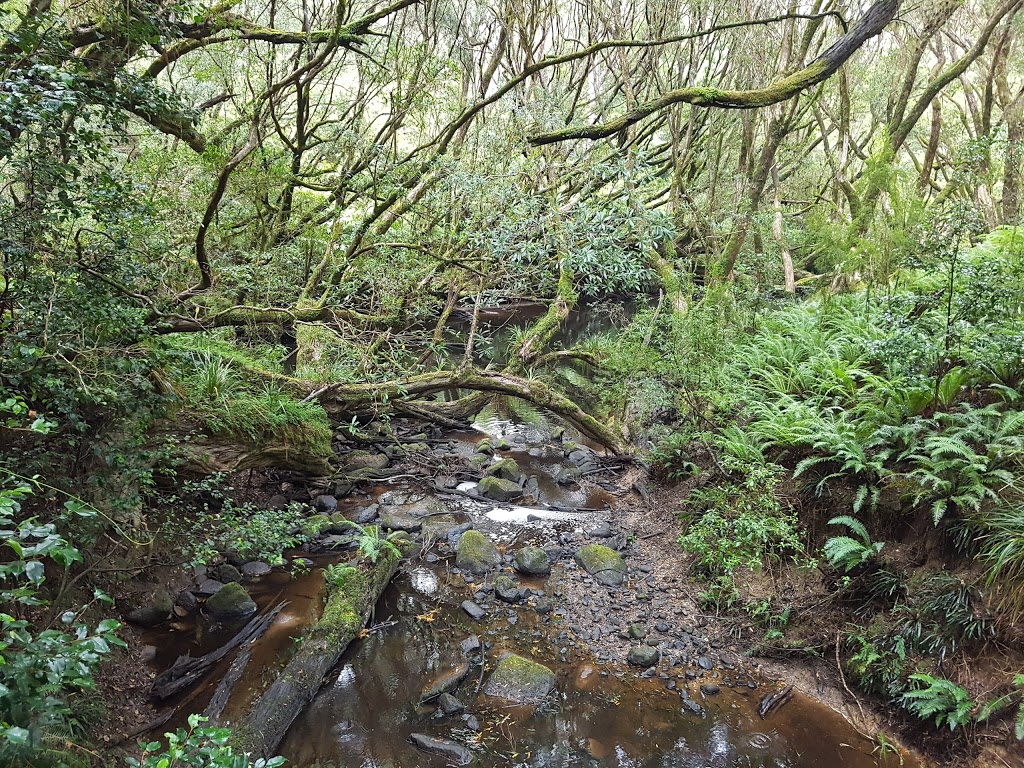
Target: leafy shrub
371,543
941,615
740,524
1006,701
41,672
198,747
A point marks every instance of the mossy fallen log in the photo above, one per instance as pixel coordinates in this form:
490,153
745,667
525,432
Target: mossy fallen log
349,605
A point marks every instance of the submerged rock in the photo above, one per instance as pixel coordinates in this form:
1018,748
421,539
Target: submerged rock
230,604
155,610
499,489
451,751
445,682
520,680
476,553
533,561
604,564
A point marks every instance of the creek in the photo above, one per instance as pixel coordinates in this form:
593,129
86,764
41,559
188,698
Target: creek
697,705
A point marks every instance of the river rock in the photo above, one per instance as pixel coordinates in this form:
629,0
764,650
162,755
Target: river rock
450,705
484,447
500,490
325,504
277,502
397,521
157,608
436,528
476,553
230,604
474,611
470,645
228,573
357,460
637,631
256,569
478,460
506,589
186,600
604,564
532,561
643,656
368,514
210,586
314,525
506,469
451,751
445,682
599,529
520,680
566,475
709,689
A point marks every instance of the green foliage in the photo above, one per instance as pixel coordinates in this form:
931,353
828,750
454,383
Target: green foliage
941,615
849,553
198,747
215,523
338,575
41,672
938,699
1007,700
740,524
371,543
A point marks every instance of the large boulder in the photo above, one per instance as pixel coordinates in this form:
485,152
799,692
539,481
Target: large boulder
157,608
533,561
476,553
498,489
397,521
231,604
357,460
604,564
520,680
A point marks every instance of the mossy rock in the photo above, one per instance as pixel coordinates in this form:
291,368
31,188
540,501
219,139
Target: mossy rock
479,460
362,460
506,469
484,447
231,603
533,561
314,525
643,656
476,554
604,564
520,680
500,490
155,610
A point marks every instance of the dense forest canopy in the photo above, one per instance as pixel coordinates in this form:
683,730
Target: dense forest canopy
230,227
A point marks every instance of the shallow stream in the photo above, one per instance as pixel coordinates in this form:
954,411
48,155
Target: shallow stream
602,714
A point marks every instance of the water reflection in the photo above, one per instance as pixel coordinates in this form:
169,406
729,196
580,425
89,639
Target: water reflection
365,718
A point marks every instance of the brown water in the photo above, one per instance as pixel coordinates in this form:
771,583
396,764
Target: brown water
600,716
366,712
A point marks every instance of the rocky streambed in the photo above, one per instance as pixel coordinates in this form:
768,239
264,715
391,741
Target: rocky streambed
529,625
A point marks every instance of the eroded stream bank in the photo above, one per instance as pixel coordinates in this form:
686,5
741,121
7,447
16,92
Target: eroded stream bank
640,677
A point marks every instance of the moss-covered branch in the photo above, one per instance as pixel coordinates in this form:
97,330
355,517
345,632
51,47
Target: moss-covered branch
823,67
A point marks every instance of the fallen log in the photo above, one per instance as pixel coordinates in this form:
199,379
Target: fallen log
349,605
227,684
187,670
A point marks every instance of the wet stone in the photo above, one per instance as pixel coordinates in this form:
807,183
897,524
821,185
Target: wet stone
643,656
157,608
367,514
396,521
605,565
470,645
704,662
450,705
231,604
452,751
520,680
476,553
256,569
499,489
505,469
691,706
325,504
532,561
600,529
228,573
506,589
637,631
444,682
473,610
709,689
210,586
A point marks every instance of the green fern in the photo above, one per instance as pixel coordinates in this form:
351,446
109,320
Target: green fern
938,699
848,553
